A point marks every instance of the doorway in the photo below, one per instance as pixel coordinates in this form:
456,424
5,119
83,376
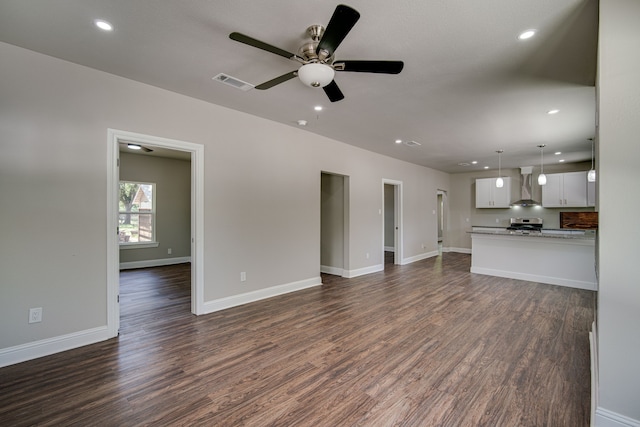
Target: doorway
392,221
195,153
441,196
334,224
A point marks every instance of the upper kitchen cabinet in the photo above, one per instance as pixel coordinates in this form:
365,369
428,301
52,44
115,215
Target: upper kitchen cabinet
565,190
490,196
591,194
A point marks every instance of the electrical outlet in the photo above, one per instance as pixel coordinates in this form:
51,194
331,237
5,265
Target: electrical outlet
243,276
35,315
169,251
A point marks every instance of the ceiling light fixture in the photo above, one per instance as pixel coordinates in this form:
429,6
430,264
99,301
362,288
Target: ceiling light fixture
542,178
398,141
499,181
134,147
316,75
527,34
103,25
302,122
551,112
557,153
318,108
474,162
591,175
486,167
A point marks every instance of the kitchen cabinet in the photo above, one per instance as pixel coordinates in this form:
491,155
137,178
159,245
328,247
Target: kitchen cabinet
565,190
490,196
591,194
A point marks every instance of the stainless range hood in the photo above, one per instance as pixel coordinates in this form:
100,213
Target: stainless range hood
525,189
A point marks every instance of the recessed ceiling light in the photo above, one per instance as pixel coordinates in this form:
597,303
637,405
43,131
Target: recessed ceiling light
103,25
561,160
318,108
527,34
486,167
134,147
557,153
553,111
398,141
475,162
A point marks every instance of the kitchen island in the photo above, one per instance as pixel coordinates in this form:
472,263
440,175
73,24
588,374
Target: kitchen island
552,256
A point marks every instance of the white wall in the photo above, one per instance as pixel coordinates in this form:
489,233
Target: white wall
262,193
619,245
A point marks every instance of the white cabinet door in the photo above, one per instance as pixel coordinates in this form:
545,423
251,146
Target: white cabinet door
483,192
565,190
591,194
552,191
502,196
575,189
490,196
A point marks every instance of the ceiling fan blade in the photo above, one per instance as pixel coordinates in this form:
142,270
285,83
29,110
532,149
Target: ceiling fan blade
385,67
260,45
271,83
333,91
342,21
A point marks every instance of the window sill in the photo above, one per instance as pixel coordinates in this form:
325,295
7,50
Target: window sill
139,245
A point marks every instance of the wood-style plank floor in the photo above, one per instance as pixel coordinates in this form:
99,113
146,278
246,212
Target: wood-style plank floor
426,344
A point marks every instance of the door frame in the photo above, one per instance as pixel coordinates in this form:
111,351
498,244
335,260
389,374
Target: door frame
114,137
398,227
442,215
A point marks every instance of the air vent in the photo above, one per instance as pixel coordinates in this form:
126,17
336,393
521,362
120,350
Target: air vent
412,144
233,82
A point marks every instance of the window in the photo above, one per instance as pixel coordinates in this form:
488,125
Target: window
137,209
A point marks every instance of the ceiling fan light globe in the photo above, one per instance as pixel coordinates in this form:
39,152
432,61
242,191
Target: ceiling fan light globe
499,183
591,175
316,75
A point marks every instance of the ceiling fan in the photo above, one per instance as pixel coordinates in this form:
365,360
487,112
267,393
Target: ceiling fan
318,65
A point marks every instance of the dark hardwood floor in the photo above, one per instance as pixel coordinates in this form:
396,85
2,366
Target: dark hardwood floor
426,344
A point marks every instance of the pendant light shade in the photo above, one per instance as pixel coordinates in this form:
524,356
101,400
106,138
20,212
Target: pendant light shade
499,181
542,178
591,175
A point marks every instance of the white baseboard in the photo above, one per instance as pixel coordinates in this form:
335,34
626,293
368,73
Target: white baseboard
331,270
389,249
605,418
350,274
419,257
46,347
458,250
536,278
154,263
260,294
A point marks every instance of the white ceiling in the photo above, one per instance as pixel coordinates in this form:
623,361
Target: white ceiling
469,86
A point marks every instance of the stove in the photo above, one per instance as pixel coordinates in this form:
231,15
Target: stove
525,225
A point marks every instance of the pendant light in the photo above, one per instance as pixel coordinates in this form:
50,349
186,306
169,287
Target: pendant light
591,175
542,178
499,181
